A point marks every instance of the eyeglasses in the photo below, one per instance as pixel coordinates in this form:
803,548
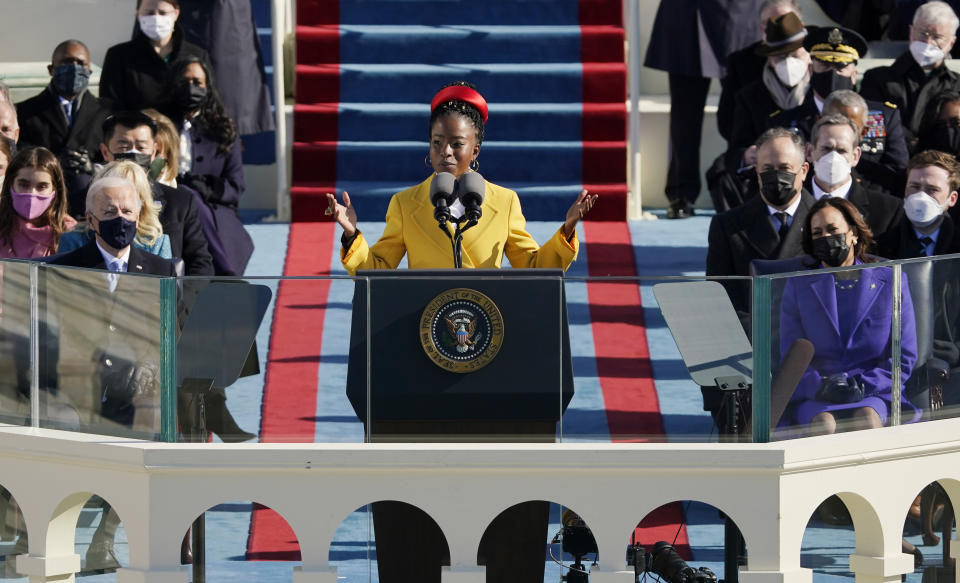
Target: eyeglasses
930,35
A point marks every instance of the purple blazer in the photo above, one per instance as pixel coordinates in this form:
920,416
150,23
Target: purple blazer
809,310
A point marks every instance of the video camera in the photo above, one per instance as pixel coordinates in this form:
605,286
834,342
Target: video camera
665,562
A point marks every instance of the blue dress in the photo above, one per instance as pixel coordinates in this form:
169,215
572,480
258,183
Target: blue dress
76,239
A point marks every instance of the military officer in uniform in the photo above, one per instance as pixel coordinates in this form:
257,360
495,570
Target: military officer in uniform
834,55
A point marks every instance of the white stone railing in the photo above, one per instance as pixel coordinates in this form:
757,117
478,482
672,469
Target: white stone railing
769,490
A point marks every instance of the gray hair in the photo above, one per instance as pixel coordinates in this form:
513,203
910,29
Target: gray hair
936,11
768,4
4,93
845,98
100,184
775,133
834,119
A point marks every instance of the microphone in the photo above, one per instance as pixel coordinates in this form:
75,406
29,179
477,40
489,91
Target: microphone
441,197
472,188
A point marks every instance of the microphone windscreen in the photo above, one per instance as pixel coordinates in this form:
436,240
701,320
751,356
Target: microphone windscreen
442,187
472,187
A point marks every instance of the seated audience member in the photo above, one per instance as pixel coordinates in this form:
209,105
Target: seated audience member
927,227
135,72
746,65
9,126
784,82
919,75
767,226
883,145
833,152
5,157
848,384
941,129
66,118
33,206
132,135
211,162
150,236
834,58
166,164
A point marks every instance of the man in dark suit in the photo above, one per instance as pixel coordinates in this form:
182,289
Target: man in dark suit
927,227
834,56
132,135
745,66
915,79
66,119
833,152
768,226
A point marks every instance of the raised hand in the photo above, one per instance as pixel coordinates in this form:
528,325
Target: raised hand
577,211
344,214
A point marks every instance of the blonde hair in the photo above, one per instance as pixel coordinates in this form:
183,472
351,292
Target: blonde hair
168,146
148,224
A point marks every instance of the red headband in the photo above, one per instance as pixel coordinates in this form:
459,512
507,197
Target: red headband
461,93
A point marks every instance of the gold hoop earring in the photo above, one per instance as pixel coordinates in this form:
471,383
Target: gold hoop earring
475,165
426,162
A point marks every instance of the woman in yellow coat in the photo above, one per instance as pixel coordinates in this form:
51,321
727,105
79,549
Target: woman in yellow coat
458,113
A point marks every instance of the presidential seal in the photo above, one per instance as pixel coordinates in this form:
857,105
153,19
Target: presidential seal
461,330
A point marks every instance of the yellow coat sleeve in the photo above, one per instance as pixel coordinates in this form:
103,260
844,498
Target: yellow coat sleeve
386,253
522,250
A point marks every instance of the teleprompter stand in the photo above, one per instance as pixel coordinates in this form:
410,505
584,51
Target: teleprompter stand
217,338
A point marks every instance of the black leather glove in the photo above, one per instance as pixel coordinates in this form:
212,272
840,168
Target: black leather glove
76,162
199,183
946,351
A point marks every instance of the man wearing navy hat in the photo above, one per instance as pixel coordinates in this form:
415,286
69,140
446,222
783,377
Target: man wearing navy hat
834,55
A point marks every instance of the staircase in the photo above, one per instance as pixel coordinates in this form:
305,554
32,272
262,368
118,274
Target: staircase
552,71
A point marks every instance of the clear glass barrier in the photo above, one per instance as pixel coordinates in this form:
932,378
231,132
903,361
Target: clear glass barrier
105,351
659,359
15,371
840,347
265,360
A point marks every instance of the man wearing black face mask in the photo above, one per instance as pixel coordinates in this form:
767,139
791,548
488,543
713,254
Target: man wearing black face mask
66,118
766,226
131,136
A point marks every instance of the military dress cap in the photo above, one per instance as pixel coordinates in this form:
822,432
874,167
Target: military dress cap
834,44
783,34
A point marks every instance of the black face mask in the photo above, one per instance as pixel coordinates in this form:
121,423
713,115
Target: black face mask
827,82
117,232
777,187
71,79
189,97
831,250
139,158
944,136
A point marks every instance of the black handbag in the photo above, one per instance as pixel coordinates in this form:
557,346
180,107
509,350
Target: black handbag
840,389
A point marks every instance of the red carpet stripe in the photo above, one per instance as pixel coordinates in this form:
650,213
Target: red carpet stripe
291,379
623,361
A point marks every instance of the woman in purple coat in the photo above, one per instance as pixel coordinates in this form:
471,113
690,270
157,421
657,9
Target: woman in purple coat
847,316
210,162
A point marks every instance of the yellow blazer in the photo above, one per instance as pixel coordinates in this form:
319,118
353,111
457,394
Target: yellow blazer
411,229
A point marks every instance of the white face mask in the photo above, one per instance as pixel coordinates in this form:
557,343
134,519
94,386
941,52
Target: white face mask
832,168
791,71
922,209
157,26
925,54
